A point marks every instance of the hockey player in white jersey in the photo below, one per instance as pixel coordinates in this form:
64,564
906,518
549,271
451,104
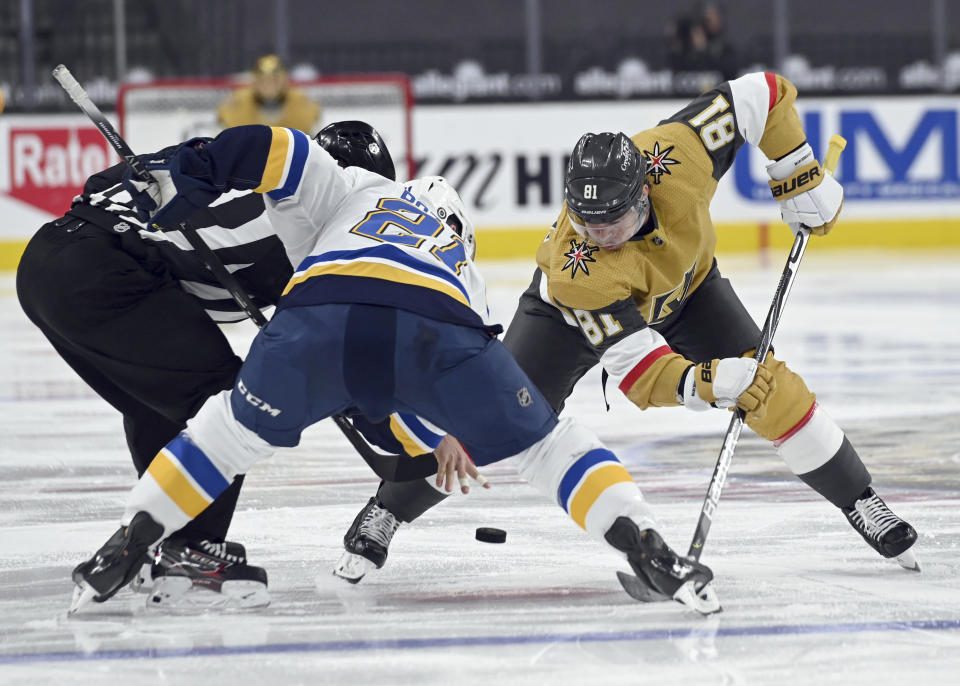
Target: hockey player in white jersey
385,312
107,292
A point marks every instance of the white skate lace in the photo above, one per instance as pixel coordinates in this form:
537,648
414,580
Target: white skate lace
874,517
380,525
219,550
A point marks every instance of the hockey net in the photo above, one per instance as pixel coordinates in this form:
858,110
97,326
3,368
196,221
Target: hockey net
155,115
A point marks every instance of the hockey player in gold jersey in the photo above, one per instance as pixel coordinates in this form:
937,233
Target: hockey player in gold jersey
627,278
270,100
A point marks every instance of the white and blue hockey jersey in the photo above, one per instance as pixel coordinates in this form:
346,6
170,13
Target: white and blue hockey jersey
353,236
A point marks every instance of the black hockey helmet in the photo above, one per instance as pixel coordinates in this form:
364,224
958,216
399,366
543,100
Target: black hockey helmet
357,144
605,178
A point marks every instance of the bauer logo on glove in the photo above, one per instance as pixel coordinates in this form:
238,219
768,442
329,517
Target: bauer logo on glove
804,180
808,198
732,381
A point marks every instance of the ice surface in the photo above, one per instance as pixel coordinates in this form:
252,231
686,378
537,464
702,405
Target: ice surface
805,601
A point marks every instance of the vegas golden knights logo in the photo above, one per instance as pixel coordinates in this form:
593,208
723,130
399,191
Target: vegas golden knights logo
665,304
578,256
659,161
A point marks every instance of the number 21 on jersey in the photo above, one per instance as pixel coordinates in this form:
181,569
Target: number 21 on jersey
401,222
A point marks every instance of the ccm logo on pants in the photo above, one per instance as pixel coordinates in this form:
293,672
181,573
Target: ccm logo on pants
255,401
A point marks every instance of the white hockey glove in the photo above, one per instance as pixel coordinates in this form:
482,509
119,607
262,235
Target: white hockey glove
731,381
808,196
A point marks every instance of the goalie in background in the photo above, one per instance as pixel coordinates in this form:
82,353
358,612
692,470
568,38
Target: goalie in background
270,100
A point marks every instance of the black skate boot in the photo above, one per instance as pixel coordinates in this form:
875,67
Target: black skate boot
116,563
882,529
661,574
204,575
366,542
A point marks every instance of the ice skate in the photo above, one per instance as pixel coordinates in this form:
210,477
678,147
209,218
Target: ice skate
116,563
882,529
366,542
142,581
206,575
661,574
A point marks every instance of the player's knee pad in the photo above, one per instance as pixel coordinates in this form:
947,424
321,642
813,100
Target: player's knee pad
805,436
545,462
785,406
193,469
231,447
571,465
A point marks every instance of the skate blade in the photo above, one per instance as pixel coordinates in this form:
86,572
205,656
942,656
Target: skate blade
908,560
179,593
351,568
142,581
246,594
704,601
83,593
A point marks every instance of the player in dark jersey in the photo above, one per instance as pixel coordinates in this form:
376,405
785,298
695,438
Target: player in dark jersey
627,278
135,314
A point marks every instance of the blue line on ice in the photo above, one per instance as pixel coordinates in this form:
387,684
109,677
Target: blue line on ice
477,641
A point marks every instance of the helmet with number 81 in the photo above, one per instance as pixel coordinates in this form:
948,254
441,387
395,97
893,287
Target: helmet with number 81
443,198
604,188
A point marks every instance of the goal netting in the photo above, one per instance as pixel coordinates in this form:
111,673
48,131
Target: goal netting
155,115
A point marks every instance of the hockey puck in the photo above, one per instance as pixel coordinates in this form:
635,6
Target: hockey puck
489,534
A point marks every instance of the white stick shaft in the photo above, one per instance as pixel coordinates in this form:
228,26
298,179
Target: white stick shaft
70,84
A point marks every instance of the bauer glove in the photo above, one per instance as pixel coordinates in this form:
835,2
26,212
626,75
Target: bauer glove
808,197
172,196
731,381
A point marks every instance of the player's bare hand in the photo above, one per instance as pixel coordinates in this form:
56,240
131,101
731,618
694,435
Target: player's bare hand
455,466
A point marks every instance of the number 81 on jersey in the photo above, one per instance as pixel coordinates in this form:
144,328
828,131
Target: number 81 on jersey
597,331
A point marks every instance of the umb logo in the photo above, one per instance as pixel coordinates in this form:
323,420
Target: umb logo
889,155
48,166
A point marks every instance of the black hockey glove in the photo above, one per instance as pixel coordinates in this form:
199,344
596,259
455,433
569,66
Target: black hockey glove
172,196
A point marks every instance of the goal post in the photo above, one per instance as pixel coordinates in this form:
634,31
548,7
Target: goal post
154,115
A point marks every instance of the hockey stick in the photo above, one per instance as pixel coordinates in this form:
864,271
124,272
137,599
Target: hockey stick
386,466
704,599
79,95
712,499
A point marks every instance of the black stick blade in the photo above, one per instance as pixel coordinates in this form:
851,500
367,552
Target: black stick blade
638,589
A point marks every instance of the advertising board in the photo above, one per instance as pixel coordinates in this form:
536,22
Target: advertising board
508,161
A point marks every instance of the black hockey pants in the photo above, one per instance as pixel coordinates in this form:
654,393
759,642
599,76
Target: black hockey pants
111,310
556,355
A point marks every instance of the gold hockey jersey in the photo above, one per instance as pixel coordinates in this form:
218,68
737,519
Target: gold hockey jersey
296,112
614,295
